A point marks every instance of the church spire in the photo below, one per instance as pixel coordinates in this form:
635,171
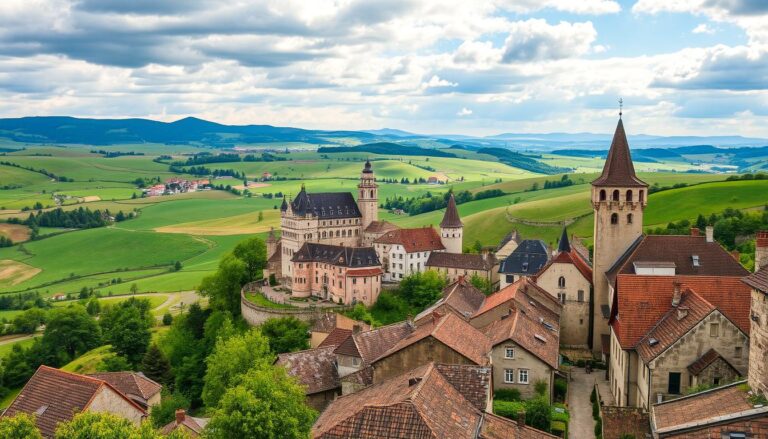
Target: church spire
619,170
451,218
564,246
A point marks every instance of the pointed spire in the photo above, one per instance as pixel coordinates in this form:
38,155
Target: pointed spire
284,206
367,169
619,170
451,218
564,246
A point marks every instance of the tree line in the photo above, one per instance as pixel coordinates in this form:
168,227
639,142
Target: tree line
429,202
204,158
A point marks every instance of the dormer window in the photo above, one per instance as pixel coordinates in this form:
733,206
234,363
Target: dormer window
695,260
525,266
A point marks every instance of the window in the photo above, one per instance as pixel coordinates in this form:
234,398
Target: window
629,195
580,296
561,282
522,376
641,197
509,375
629,218
714,329
525,266
614,218
355,361
561,297
737,352
510,278
602,195
509,352
616,195
674,383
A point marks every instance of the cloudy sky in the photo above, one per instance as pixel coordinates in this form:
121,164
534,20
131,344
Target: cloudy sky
430,66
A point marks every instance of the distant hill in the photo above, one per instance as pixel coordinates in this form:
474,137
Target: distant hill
521,161
387,148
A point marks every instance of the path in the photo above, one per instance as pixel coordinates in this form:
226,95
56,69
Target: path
276,296
16,338
582,425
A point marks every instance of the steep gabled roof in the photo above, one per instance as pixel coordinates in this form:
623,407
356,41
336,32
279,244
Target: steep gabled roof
524,329
337,255
451,218
131,383
511,236
315,368
619,170
759,280
369,345
461,296
454,333
518,292
336,337
413,240
564,245
574,258
325,205
376,227
527,259
55,396
705,360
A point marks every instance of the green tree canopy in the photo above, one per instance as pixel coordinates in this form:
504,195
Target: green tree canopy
28,321
20,426
127,327
165,412
69,333
156,366
422,289
230,359
286,334
266,403
223,287
253,252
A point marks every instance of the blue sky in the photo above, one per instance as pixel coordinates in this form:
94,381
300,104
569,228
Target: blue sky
478,67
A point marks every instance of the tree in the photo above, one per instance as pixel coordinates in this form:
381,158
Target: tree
19,426
28,321
127,327
177,266
538,413
155,365
91,425
478,247
165,412
167,319
422,289
223,287
265,403
481,283
114,363
230,359
69,333
286,334
94,307
134,288
253,252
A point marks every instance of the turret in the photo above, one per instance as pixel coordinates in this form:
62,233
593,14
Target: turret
452,229
368,196
271,243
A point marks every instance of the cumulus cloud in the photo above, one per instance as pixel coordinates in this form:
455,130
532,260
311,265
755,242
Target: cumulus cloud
464,112
718,68
535,39
703,28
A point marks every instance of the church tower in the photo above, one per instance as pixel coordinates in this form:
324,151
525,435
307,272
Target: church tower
452,229
368,196
618,200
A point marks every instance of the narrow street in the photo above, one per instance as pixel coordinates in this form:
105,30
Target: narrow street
582,426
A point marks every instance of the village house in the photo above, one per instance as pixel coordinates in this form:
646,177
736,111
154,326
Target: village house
356,353
526,260
524,291
507,245
331,323
337,273
459,297
53,396
758,351
453,266
375,230
433,400
315,369
135,385
189,425
405,251
568,277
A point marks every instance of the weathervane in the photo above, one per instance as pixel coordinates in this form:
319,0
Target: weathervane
621,106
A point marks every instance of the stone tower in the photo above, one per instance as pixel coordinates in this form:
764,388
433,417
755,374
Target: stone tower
618,200
271,242
761,250
452,229
368,196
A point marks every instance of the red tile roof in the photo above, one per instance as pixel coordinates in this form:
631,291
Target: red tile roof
464,261
369,345
759,280
641,301
453,332
131,383
619,170
191,425
675,323
461,297
570,257
55,396
451,218
525,329
315,369
364,272
413,240
380,227
705,360
336,337
509,292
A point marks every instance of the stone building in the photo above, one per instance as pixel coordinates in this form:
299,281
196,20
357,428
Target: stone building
53,396
135,385
337,273
459,297
507,245
452,229
521,293
530,256
758,351
327,323
405,251
618,200
465,265
568,277
315,369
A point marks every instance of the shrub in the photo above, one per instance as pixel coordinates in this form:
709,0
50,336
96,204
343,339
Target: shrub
508,409
561,388
272,280
593,396
538,414
540,387
557,416
507,395
599,428
596,409
167,319
558,428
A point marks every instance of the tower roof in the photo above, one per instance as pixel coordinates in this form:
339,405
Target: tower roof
565,244
451,218
618,169
367,169
284,206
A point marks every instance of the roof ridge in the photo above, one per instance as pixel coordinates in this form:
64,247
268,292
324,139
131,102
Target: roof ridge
71,374
693,395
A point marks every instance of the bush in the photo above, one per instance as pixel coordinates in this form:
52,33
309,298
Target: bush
599,428
538,414
167,319
507,395
508,409
595,410
593,396
540,387
559,428
272,280
557,416
561,389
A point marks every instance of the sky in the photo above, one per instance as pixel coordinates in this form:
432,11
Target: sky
474,67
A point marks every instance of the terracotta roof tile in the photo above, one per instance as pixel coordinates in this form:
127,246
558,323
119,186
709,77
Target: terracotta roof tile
325,323
451,217
698,410
460,296
55,396
413,240
496,427
574,258
369,345
314,368
618,169
364,272
191,425
620,421
759,280
642,301
464,261
526,327
336,337
705,360
131,383
380,227
675,323
453,332
510,292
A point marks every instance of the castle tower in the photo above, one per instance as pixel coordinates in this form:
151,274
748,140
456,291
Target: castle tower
761,250
452,229
618,200
368,196
271,242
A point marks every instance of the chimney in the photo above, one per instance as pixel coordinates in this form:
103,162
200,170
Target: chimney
695,231
435,317
356,328
180,415
682,312
761,250
676,295
409,321
710,232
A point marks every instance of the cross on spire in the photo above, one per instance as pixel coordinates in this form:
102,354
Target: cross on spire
621,106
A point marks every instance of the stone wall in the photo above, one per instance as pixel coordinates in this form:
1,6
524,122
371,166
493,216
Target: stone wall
107,400
758,348
719,370
574,321
256,315
537,370
413,356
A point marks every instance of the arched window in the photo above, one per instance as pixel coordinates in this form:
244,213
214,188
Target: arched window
629,218
616,195
629,195
614,218
642,194
371,193
602,195
561,282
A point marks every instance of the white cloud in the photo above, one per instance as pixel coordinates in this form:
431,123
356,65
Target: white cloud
464,112
703,28
535,39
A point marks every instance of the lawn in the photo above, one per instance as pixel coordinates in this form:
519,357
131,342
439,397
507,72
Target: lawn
88,362
260,300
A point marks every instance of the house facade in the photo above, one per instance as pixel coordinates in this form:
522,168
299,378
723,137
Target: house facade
406,251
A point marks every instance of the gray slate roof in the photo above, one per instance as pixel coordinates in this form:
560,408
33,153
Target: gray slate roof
527,259
326,205
337,255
